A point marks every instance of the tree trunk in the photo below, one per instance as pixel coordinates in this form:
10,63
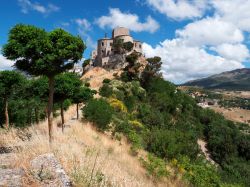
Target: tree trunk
36,115
29,116
50,107
6,114
62,116
77,110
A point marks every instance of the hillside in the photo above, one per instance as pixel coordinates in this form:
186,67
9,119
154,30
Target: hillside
83,152
238,79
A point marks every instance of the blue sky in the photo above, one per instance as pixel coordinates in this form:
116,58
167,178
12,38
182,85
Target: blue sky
194,38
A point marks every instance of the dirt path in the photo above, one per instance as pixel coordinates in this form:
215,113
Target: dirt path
203,148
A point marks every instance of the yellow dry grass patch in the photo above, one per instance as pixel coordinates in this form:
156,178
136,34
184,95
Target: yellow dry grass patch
87,156
96,75
234,114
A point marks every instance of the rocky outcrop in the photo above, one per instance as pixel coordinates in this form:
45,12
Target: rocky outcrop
116,61
49,172
9,177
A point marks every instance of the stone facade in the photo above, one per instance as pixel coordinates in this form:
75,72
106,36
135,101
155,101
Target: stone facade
104,55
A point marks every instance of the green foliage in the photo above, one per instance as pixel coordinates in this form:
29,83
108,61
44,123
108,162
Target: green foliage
199,173
155,166
128,92
151,70
100,112
131,71
171,143
66,86
42,53
27,101
128,46
85,63
106,81
10,81
83,94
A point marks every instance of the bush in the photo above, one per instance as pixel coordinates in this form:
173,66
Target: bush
171,143
106,81
100,112
155,166
105,90
118,105
199,173
128,46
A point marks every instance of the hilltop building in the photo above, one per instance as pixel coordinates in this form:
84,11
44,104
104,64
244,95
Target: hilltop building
77,69
105,54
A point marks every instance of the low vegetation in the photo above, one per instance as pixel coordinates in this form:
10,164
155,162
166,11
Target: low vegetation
154,115
159,122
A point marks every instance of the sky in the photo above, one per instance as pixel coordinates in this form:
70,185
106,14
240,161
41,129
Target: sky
194,38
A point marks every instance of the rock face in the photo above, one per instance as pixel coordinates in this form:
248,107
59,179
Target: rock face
49,171
116,61
9,177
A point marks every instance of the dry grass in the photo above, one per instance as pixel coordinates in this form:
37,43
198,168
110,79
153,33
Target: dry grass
96,75
234,114
87,156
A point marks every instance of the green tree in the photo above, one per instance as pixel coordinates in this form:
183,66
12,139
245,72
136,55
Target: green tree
66,86
9,83
151,70
83,94
131,71
100,112
38,52
128,46
37,94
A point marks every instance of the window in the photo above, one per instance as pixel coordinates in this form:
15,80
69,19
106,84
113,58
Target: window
140,45
111,44
102,43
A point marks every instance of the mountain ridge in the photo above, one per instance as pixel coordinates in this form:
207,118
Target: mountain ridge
238,79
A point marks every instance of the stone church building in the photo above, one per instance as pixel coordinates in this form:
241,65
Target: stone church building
104,54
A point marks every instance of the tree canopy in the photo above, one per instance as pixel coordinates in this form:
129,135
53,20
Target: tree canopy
38,52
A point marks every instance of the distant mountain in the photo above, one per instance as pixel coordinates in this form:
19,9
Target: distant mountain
238,79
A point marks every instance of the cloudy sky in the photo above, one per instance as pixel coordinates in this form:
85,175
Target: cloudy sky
194,38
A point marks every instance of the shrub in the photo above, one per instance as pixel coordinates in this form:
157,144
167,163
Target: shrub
136,125
106,81
118,105
128,46
171,143
105,90
155,166
100,112
199,173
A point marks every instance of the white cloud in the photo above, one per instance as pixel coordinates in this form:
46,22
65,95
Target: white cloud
5,64
83,23
210,31
27,5
131,21
237,52
187,56
234,11
182,63
83,27
179,9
